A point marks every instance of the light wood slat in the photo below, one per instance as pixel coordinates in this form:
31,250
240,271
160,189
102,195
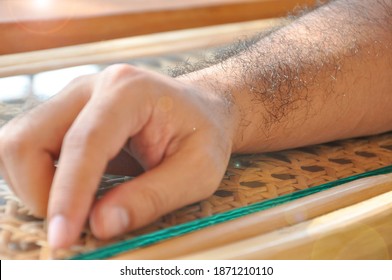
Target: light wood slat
128,48
26,27
261,223
360,231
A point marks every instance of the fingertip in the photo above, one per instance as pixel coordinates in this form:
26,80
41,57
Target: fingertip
123,209
59,232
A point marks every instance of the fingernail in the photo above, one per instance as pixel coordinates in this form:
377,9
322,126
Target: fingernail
116,221
58,232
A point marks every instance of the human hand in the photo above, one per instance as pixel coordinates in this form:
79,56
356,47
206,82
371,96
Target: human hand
180,134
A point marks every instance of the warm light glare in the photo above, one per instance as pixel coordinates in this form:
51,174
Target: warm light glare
14,88
42,3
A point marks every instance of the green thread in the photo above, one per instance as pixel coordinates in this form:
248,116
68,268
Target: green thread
175,231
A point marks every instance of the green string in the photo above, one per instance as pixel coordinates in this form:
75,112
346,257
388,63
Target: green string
179,230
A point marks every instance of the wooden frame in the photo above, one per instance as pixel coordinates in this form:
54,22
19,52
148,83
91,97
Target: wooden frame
122,49
360,231
360,205
362,209
24,26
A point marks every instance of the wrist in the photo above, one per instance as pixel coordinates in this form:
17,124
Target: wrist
221,97
250,129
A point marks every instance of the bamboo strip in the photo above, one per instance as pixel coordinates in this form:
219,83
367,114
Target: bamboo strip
66,22
360,231
123,49
292,213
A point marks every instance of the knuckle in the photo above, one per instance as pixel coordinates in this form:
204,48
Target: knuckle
118,79
77,81
82,85
13,142
119,72
80,82
125,83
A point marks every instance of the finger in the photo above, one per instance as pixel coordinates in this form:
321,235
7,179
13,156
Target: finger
3,169
4,172
95,137
30,144
32,180
10,150
172,184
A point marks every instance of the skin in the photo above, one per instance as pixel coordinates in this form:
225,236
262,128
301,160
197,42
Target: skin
323,77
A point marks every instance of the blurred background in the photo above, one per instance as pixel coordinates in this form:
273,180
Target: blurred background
47,43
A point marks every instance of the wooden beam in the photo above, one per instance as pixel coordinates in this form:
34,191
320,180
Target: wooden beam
31,25
360,231
119,50
265,222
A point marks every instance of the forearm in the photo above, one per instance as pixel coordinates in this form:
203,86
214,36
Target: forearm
323,77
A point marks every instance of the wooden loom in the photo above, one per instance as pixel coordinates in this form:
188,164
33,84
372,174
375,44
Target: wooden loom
349,221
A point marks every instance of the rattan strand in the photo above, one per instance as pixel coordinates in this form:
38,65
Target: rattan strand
248,179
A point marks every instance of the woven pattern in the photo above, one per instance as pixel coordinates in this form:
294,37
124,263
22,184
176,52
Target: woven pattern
248,179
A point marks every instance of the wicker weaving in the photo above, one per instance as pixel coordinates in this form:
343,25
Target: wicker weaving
292,86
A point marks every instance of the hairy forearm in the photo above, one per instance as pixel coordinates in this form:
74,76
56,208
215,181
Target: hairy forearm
325,76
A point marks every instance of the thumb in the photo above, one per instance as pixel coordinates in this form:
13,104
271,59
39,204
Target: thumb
172,184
